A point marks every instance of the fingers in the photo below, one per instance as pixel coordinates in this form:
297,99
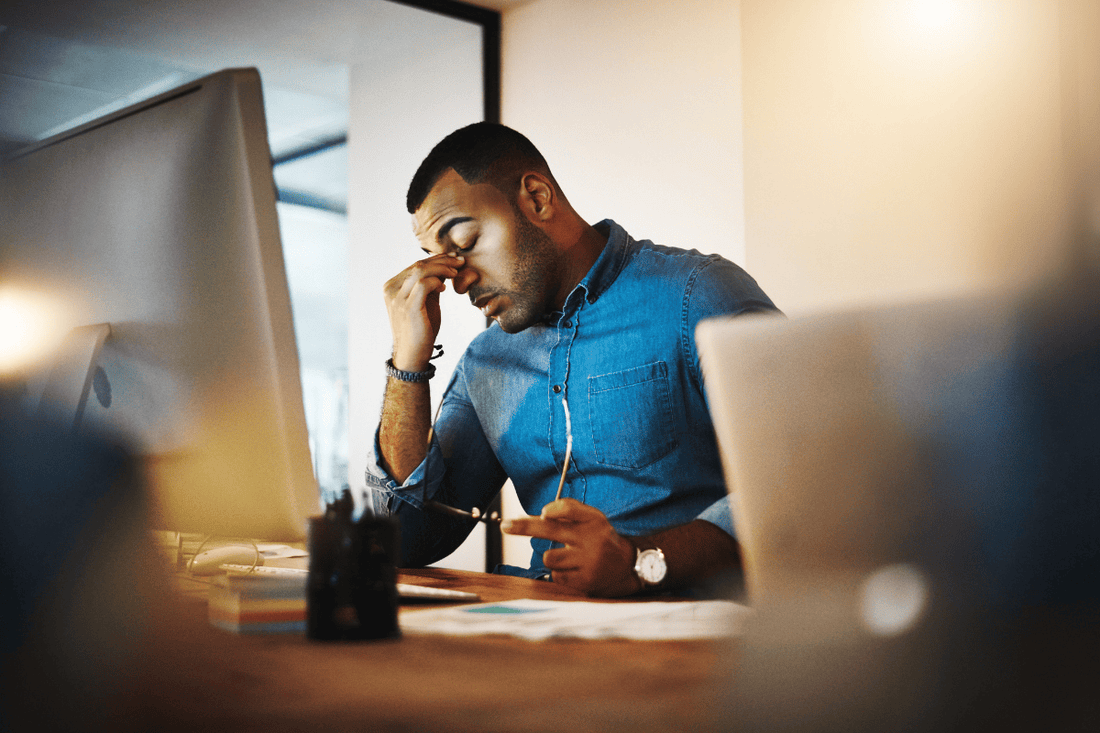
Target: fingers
594,558
571,510
412,301
560,521
427,275
565,565
568,567
556,531
561,558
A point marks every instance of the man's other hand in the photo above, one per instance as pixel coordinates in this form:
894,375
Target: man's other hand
595,559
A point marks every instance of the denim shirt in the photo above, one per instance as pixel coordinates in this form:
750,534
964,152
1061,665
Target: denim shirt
622,351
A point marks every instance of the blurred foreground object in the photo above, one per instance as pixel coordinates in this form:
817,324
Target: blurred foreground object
916,493
160,293
79,575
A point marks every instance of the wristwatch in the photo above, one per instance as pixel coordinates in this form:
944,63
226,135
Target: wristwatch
650,566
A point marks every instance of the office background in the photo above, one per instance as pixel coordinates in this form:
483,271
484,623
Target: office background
844,152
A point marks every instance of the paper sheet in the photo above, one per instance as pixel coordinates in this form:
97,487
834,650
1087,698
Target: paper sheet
272,551
537,620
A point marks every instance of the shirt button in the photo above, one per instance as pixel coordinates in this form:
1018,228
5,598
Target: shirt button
569,324
557,388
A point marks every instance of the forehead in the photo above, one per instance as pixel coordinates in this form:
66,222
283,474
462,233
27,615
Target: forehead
451,199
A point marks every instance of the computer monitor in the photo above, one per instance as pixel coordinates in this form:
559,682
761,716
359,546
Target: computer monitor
157,225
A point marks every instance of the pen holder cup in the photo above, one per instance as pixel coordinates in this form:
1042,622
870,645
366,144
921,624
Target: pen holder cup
351,592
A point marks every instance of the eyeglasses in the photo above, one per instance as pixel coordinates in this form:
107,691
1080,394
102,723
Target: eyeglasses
477,514
568,448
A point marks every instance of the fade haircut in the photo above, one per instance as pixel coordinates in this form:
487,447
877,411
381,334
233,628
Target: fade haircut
484,152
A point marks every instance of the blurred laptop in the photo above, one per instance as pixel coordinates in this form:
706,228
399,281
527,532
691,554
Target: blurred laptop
888,470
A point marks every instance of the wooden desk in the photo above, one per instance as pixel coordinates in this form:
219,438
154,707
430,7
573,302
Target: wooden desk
198,677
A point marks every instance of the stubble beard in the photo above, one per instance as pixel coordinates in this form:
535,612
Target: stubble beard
534,278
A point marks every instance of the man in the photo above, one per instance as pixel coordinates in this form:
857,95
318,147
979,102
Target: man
586,320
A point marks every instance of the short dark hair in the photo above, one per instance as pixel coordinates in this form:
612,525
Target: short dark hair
484,152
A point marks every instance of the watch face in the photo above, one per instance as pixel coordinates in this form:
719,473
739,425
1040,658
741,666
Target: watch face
651,566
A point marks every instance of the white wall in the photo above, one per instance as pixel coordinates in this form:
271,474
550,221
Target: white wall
899,150
636,105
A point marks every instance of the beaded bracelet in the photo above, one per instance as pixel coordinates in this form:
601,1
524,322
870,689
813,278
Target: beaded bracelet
404,376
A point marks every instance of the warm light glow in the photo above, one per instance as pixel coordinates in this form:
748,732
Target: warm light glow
893,599
935,14
944,28
31,327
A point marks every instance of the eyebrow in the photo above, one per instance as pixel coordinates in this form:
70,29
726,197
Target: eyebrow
451,224
446,228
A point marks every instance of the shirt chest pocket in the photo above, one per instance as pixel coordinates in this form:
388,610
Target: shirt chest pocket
631,416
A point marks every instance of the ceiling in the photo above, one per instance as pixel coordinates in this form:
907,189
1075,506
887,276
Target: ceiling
64,62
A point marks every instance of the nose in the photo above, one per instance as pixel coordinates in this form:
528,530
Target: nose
465,278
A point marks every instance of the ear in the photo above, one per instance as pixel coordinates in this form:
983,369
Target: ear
537,197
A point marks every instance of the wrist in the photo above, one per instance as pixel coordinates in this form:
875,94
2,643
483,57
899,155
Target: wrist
630,559
409,364
650,566
418,361
407,375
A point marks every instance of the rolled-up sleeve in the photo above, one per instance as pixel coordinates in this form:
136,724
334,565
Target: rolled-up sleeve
460,470
384,490
720,514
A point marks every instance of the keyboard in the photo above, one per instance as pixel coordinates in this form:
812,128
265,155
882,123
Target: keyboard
405,590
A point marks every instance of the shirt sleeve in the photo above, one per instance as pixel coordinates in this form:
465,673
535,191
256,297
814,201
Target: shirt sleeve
719,288
460,470
720,514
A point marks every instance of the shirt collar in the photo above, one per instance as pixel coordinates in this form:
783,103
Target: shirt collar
608,265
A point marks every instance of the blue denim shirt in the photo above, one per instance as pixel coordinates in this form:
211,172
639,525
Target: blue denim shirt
623,352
